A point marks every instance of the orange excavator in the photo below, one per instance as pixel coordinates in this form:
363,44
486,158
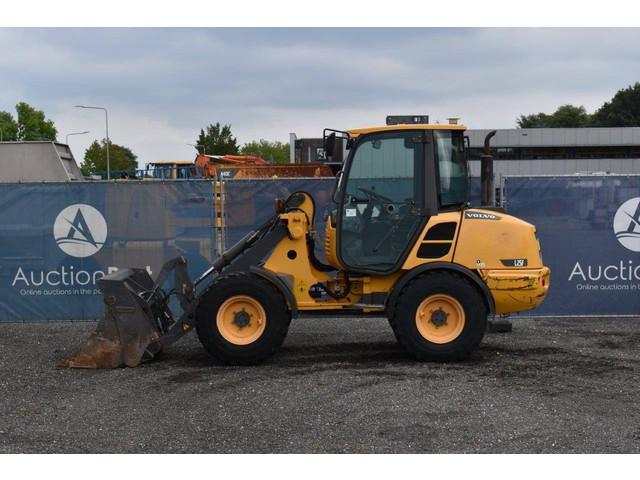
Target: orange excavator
233,166
252,166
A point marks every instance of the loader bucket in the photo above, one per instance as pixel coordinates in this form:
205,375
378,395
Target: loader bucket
132,322
138,323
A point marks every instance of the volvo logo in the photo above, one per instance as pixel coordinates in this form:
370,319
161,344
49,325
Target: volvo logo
80,230
480,215
626,224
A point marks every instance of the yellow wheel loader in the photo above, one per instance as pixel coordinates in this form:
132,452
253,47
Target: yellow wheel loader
401,241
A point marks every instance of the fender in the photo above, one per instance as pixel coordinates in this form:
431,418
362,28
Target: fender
428,267
282,287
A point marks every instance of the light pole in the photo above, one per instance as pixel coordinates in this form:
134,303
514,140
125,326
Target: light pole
106,118
75,133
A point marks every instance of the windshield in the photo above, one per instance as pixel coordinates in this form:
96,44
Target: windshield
452,166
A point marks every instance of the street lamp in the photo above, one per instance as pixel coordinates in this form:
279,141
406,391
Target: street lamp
204,152
106,117
75,133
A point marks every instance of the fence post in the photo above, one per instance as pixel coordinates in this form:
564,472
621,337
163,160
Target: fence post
214,219
220,221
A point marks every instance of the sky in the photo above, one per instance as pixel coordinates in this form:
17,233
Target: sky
161,86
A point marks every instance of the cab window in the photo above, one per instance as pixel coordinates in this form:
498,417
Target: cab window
383,195
452,167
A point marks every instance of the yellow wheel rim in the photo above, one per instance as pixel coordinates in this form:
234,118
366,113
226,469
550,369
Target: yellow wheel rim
440,318
241,320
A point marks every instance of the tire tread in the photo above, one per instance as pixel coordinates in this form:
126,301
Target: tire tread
407,340
275,342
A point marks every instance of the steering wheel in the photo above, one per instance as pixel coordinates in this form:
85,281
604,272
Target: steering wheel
387,205
375,195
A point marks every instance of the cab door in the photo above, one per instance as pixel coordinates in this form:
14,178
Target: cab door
382,200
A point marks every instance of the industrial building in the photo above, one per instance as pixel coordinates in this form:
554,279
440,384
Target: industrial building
310,150
38,161
559,151
537,151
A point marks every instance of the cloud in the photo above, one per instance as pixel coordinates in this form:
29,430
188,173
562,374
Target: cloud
162,85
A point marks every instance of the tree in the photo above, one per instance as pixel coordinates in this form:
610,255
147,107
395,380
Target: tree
274,152
623,110
565,116
535,120
8,127
32,124
120,158
570,116
217,140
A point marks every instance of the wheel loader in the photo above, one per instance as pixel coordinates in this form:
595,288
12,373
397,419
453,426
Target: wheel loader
401,241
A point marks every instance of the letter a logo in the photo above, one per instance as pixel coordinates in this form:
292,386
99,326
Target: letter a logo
80,230
626,224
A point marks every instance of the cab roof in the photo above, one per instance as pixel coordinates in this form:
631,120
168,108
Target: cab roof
405,126
172,162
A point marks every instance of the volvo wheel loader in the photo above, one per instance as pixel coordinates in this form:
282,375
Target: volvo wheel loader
401,241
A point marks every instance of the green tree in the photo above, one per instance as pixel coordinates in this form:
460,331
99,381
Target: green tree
8,127
120,158
217,140
570,116
32,124
535,120
274,152
623,110
565,116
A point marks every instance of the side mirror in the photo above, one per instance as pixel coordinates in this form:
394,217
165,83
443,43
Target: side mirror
329,144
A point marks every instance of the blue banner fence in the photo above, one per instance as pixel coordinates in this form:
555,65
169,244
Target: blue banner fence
57,239
589,231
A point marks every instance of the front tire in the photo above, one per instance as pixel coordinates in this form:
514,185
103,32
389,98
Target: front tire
439,316
242,319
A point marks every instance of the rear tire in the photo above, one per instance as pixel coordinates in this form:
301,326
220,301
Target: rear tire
439,316
242,319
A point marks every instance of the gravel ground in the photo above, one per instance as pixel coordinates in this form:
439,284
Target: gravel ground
339,385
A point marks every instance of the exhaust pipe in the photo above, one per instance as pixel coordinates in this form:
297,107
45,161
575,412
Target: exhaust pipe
487,192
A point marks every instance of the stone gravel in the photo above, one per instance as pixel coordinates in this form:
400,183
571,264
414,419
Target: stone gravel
336,386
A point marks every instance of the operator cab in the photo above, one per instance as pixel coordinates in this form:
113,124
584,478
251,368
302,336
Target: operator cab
395,177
